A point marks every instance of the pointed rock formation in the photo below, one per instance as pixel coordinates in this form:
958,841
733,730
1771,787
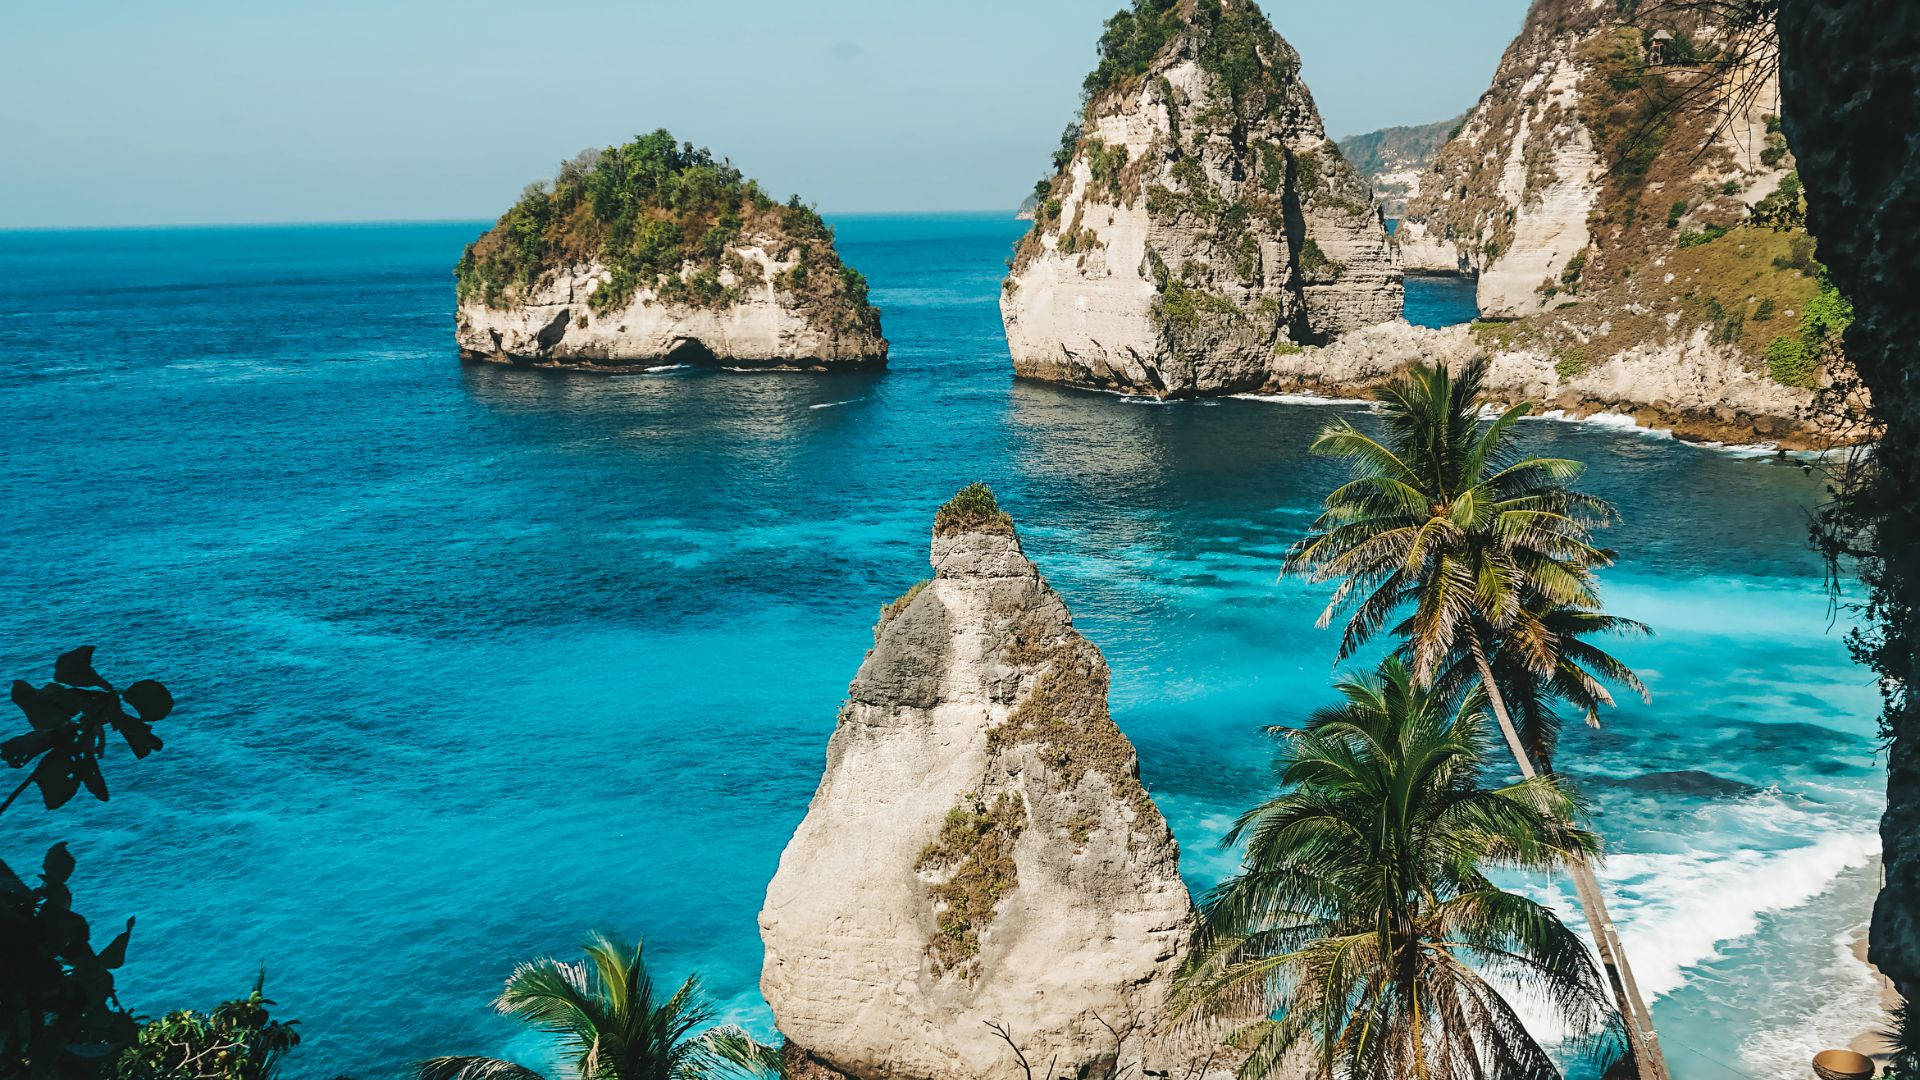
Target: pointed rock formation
980,849
655,253
1199,216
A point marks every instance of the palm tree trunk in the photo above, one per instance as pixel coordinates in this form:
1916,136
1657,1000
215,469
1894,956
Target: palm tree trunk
1643,1042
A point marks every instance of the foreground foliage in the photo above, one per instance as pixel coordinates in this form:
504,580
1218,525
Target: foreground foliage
238,1040
1363,916
59,1014
1482,553
610,1026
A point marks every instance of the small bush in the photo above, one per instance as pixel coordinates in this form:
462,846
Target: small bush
898,605
1675,213
972,509
1791,363
1786,208
236,1041
1775,151
1576,266
1706,235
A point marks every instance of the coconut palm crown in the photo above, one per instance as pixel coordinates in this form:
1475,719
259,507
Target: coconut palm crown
1363,917
611,1027
1447,521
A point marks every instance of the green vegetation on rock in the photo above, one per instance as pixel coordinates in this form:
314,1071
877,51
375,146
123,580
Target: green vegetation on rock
662,216
972,509
975,852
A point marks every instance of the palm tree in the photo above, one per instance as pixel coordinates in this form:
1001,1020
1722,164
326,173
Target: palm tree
1577,681
1446,521
604,1011
1363,916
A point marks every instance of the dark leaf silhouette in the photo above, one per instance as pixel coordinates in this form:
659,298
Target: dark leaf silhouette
75,668
68,720
58,865
61,1017
149,699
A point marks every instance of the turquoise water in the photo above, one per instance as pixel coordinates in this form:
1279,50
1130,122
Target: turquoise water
474,660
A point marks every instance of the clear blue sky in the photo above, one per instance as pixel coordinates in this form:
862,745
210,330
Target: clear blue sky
118,112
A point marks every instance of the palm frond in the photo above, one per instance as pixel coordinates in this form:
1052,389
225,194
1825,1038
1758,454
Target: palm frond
472,1068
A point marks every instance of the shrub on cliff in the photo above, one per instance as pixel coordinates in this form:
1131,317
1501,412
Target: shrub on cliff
972,509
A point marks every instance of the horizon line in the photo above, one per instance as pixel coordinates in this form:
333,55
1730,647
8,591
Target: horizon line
374,222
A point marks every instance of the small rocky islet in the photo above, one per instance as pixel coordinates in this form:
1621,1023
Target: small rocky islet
980,851
657,253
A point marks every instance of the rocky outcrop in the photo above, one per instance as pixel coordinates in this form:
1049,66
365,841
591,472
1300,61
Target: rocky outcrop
1697,389
553,323
1612,206
980,851
1392,160
656,254
1851,73
1199,216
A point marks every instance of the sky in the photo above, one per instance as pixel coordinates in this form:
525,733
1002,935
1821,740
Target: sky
224,111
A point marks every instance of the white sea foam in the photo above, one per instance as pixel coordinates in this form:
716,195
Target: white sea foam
1847,1006
1693,904
1676,910
831,404
1305,399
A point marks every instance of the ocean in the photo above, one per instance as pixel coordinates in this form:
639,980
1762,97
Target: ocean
472,661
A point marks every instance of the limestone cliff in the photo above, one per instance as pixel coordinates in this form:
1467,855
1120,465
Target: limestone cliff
1696,388
1610,208
980,849
1198,217
1392,160
655,253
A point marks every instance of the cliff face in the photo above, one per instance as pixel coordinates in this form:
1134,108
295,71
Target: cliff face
1696,388
980,849
1393,160
1851,72
653,253
1199,216
1611,209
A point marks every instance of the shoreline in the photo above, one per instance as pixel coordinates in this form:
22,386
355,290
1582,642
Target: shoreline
1874,1042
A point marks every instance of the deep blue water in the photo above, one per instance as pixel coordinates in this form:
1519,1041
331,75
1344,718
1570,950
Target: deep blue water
473,660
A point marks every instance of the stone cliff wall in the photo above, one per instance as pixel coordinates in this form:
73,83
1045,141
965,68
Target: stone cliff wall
1615,209
554,324
1697,389
1200,218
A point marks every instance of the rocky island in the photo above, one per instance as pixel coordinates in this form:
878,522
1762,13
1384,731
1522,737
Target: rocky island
980,872
1634,253
1198,219
656,253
